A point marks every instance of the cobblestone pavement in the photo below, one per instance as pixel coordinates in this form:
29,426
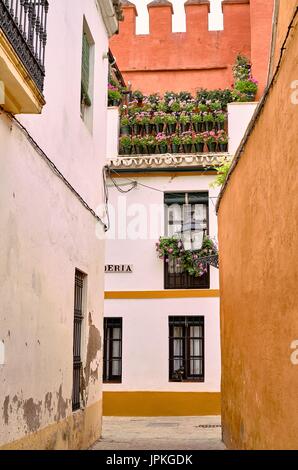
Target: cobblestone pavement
166,433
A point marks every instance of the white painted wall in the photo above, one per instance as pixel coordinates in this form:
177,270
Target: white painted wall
239,116
145,322
148,269
146,343
113,132
47,233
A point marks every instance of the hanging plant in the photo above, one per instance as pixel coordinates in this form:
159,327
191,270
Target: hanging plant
190,260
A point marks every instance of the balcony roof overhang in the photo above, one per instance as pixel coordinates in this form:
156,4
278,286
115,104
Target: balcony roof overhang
111,14
168,162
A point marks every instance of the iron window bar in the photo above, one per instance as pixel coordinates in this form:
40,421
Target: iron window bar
77,340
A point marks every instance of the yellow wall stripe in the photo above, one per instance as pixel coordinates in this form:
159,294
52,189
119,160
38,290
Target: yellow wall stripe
162,294
161,403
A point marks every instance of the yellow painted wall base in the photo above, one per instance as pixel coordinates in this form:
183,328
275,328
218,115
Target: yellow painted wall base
161,404
78,431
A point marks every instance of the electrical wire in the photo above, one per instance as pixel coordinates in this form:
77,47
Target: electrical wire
51,164
137,183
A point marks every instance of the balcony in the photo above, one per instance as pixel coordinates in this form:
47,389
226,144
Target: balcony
23,37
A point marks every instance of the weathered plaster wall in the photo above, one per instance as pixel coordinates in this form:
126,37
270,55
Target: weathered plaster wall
258,257
46,235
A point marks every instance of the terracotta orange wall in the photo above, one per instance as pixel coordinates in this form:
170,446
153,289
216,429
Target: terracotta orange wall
198,58
258,239
261,19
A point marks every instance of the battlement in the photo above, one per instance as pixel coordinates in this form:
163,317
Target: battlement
197,58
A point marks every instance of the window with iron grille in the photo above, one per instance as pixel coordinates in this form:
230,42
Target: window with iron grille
77,339
112,356
186,349
85,80
186,216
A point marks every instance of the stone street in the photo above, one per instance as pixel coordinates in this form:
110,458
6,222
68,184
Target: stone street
161,433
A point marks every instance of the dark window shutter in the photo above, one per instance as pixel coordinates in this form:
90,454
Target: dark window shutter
85,71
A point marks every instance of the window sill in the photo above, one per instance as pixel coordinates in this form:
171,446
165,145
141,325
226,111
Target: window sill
112,382
187,381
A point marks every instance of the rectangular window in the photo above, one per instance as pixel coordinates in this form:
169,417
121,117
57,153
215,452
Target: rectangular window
77,339
85,80
187,218
186,349
112,356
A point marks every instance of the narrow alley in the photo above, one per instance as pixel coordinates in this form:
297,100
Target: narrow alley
161,433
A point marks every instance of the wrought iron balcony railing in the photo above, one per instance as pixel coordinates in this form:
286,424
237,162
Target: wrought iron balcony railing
24,23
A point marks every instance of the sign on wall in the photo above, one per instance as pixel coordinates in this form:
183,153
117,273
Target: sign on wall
119,268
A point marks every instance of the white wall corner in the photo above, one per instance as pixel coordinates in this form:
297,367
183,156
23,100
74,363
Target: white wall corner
2,353
109,16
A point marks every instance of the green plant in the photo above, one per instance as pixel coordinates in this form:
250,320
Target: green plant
191,261
161,106
242,68
215,106
223,96
208,117
248,87
222,173
198,138
210,137
136,140
170,119
154,98
137,95
170,96
125,121
187,138
222,137
148,140
196,117
175,139
114,96
184,118
158,118
203,108
175,107
125,142
184,96
220,118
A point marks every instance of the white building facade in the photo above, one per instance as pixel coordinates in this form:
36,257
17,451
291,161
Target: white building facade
52,262
157,322
160,321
